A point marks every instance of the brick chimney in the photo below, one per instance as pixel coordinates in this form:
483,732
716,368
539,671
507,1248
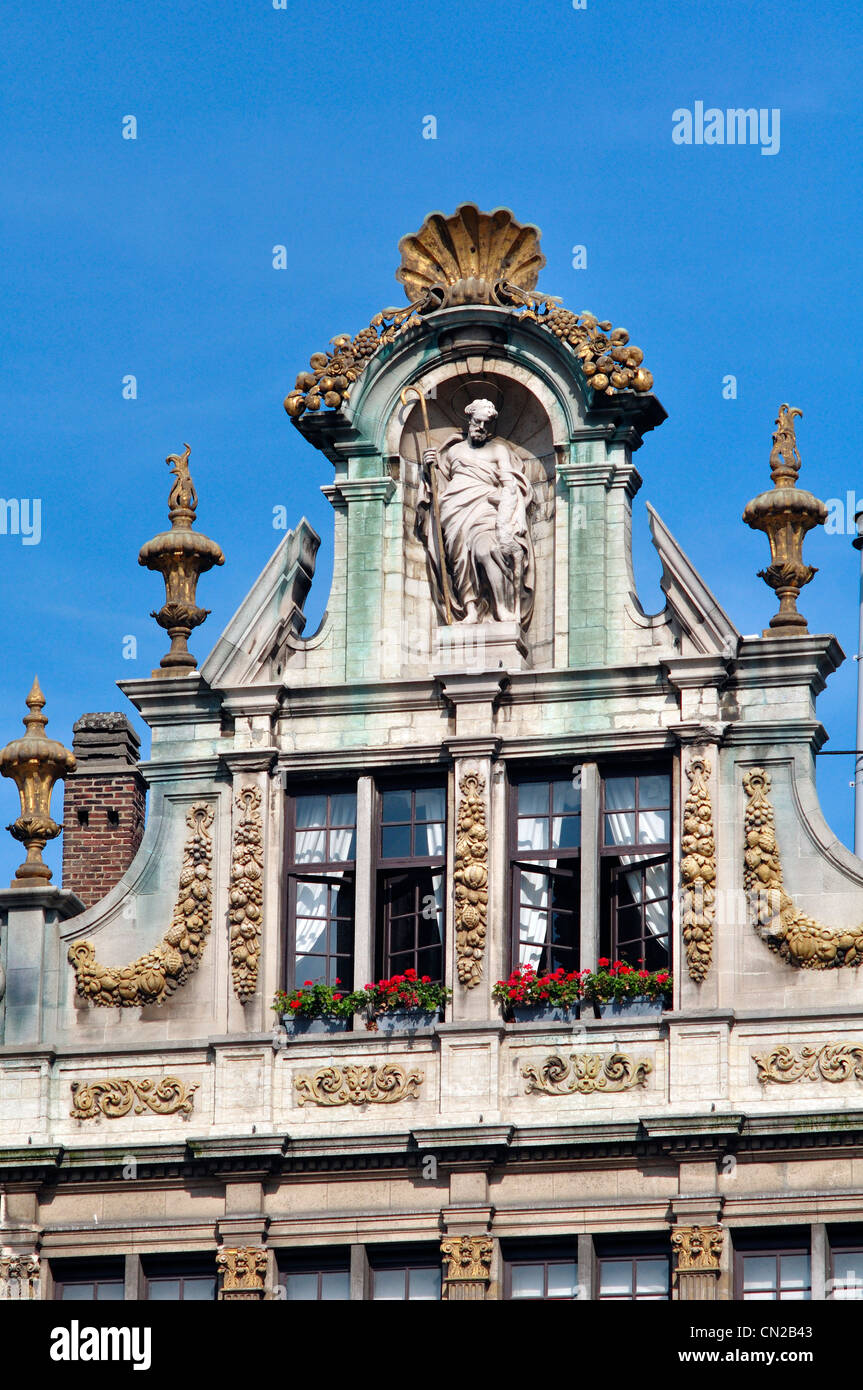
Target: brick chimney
103,805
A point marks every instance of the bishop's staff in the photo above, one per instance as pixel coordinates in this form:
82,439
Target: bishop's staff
444,577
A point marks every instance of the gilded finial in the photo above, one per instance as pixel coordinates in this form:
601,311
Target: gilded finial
785,514
35,763
180,556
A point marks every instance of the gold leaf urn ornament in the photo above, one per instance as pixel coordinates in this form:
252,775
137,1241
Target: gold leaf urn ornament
785,514
35,763
180,556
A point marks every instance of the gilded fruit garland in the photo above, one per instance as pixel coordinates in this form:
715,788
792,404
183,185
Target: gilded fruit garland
794,936
698,871
152,978
246,895
470,877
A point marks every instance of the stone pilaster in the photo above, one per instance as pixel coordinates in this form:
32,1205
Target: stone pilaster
365,500
30,957
468,1267
698,1252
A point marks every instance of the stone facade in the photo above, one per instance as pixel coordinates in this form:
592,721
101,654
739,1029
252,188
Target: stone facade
145,1137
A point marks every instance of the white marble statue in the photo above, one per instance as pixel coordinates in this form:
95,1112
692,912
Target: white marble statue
483,496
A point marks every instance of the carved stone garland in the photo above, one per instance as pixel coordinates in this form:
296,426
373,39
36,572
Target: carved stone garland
698,871
152,978
357,1085
470,877
831,1062
246,896
116,1097
584,1073
468,1267
794,936
244,1273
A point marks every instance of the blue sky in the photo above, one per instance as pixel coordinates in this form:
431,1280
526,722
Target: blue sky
303,127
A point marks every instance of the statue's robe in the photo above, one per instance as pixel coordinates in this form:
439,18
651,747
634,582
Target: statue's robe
467,513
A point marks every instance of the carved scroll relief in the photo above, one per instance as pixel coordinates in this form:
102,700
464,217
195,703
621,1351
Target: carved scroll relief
698,871
794,936
357,1085
831,1062
116,1097
246,896
152,978
584,1073
471,879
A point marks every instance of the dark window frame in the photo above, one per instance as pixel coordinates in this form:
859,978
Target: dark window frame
386,871
520,862
641,857
545,1255
92,1271
632,1254
313,1262
406,1259
767,1248
334,873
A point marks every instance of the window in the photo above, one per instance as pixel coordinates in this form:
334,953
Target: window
410,1275
321,871
540,1273
846,1263
99,1281
635,871
772,1269
317,1277
173,1280
546,873
634,1278
411,879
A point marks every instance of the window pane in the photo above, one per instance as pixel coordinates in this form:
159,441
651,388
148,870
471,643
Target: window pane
615,1279
794,1271
311,847
390,1283
848,1274
396,806
562,1280
533,798
430,803
311,810
428,840
199,1290
656,881
111,1292
343,808
342,845
565,798
301,1287
335,1286
654,791
424,1283
566,832
532,834
654,827
620,793
396,842
759,1272
528,1281
84,1292
311,899
164,1290
620,829
652,1276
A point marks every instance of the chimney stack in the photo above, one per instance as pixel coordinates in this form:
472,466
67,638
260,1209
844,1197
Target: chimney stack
103,806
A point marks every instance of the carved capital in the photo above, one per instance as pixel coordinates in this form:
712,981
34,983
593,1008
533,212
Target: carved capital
698,1248
19,1276
244,1272
468,1266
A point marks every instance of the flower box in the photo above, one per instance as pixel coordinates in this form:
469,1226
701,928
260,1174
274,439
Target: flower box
298,1024
544,1013
404,1021
629,1008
